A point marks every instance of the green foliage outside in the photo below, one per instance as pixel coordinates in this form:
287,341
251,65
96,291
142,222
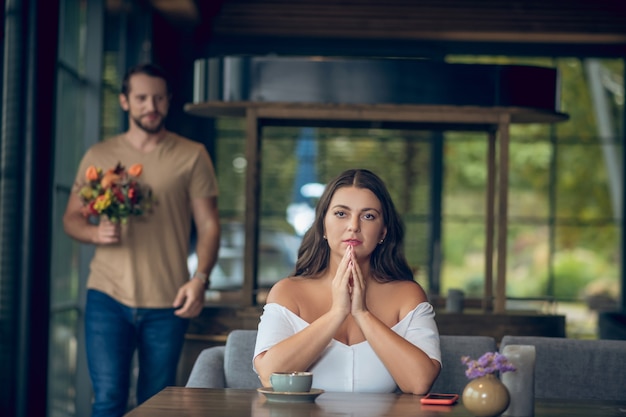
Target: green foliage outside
563,236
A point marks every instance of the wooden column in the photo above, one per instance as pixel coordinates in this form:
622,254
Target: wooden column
252,220
487,304
503,197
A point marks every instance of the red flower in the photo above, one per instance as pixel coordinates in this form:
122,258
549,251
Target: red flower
117,192
89,209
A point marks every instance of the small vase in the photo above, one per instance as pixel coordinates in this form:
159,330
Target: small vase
486,396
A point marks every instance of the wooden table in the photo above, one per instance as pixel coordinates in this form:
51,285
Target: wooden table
207,402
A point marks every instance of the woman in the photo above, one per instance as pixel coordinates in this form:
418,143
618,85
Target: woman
352,313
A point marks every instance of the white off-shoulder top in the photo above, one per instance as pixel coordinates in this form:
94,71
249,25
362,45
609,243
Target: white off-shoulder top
355,368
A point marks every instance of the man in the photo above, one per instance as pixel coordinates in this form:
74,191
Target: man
139,295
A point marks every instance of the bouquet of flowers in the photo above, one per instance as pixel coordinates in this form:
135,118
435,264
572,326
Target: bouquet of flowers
489,363
115,193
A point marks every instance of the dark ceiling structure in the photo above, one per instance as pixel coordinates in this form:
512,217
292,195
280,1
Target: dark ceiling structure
439,26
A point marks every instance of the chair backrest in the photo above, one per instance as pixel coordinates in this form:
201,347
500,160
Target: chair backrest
238,371
230,366
576,369
208,369
452,378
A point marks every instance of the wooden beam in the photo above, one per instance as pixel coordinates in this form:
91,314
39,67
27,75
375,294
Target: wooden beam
411,113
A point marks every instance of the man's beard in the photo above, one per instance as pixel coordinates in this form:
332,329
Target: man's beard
148,129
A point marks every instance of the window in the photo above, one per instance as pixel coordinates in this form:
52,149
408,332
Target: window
565,191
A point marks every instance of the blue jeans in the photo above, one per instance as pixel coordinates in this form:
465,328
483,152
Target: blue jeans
112,333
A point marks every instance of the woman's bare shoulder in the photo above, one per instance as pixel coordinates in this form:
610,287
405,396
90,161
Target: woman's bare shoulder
411,288
285,292
407,295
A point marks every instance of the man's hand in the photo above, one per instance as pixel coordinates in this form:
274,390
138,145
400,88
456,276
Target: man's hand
189,299
107,232
78,227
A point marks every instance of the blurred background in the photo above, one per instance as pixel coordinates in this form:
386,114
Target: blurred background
63,61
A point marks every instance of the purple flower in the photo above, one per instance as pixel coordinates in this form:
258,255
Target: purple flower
489,363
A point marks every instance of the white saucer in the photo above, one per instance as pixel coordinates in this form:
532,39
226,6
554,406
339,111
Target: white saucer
290,397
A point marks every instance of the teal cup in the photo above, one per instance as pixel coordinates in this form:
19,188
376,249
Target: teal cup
297,381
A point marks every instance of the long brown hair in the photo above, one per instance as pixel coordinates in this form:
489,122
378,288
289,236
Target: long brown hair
387,262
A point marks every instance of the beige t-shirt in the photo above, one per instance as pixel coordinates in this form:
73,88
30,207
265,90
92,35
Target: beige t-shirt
149,265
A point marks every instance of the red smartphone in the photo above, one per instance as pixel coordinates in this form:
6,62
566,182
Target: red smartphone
439,399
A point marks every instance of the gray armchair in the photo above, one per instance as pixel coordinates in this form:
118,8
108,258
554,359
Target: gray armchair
230,366
576,369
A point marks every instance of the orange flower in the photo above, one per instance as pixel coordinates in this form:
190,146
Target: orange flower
92,173
109,179
135,170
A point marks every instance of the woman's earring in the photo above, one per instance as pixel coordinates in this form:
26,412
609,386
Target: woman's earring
324,237
380,242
